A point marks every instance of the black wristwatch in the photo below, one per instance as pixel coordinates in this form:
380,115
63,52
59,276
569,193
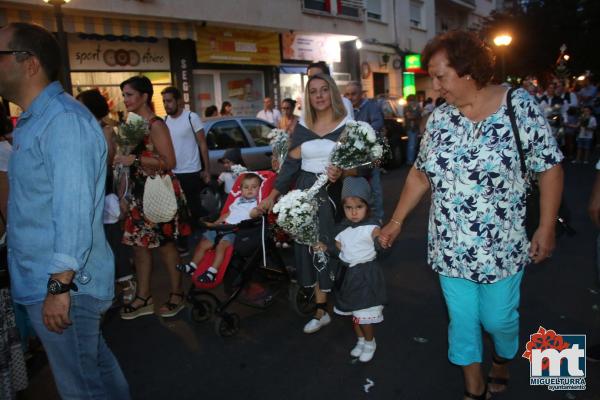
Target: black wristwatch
57,287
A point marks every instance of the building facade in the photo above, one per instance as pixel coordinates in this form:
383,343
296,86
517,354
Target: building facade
241,51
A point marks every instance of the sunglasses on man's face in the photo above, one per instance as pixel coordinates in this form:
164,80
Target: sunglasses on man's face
15,52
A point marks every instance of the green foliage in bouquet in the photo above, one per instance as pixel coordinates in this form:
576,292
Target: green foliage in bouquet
130,134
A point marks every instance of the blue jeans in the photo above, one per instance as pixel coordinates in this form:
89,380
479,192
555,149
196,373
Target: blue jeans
411,148
82,364
472,305
377,194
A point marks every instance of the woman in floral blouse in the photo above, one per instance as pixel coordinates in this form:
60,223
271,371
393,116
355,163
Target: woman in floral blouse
477,240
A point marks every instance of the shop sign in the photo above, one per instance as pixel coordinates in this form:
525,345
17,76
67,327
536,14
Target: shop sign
412,62
236,46
304,47
103,55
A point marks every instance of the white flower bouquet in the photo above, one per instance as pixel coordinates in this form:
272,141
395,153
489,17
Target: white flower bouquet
280,145
237,170
358,146
297,215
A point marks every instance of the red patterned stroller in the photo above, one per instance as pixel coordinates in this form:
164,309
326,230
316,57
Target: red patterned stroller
253,253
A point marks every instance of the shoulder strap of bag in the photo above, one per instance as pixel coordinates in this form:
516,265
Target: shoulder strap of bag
515,129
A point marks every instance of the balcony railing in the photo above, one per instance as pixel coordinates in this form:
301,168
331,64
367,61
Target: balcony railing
352,9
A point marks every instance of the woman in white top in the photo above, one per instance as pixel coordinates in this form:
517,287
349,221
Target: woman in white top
311,143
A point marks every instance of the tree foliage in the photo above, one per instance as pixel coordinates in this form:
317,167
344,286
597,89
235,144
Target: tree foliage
540,27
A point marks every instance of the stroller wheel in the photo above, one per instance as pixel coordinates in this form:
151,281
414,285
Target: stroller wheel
302,300
227,325
202,310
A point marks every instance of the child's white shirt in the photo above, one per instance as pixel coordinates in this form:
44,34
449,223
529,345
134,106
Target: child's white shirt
228,180
357,244
240,210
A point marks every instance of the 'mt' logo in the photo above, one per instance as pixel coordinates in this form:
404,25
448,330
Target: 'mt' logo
553,355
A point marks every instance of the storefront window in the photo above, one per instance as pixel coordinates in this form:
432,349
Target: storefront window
108,84
243,89
291,86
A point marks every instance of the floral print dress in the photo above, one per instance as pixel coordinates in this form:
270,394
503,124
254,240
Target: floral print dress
139,231
476,220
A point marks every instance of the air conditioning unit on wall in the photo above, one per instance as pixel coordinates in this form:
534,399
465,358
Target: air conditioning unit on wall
341,78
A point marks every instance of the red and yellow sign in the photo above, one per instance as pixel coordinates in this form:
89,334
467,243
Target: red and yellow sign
236,46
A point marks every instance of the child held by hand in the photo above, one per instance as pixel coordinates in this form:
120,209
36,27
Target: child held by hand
362,292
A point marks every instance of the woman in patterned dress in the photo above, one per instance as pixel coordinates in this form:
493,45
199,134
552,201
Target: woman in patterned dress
153,155
477,240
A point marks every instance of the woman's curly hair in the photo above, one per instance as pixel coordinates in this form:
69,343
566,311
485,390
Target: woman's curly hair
467,55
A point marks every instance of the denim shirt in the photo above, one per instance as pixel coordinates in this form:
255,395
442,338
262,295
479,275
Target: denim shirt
369,112
57,177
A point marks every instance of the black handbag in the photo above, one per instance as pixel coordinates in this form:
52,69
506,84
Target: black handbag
532,207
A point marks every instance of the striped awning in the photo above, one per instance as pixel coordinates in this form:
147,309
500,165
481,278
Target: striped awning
100,25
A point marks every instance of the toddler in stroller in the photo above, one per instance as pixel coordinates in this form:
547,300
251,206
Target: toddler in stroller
243,208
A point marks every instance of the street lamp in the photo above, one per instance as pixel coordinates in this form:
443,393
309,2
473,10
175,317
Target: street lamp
61,36
502,41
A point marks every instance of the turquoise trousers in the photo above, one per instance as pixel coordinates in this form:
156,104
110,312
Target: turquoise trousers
471,306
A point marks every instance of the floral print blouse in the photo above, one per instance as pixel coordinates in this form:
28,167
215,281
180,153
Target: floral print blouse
476,228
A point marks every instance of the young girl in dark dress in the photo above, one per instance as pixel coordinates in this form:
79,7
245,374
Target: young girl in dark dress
362,292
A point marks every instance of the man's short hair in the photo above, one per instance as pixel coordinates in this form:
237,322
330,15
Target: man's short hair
172,90
39,43
322,65
356,84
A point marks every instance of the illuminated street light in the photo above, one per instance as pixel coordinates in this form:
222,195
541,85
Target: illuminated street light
566,57
502,41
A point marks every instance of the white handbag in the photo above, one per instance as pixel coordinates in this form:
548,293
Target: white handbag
160,203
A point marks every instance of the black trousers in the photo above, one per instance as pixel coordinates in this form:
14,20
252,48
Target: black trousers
192,185
123,253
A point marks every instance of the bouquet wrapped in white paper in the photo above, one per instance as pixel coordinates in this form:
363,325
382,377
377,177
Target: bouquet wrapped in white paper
297,215
280,145
358,146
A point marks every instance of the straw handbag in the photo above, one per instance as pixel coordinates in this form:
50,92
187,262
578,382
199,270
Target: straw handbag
160,203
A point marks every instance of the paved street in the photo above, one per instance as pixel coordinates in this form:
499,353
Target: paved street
272,359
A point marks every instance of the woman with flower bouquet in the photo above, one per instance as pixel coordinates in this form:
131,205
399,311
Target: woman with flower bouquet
308,157
153,155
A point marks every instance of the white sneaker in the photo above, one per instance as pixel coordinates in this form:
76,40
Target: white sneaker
358,348
315,324
368,351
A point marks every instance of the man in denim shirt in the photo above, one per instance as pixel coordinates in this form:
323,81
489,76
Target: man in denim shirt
61,267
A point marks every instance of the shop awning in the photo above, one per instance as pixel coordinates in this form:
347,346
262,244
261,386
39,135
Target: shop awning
101,25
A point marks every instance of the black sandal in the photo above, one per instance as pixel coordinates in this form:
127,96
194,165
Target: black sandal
207,277
173,308
482,396
497,380
130,312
